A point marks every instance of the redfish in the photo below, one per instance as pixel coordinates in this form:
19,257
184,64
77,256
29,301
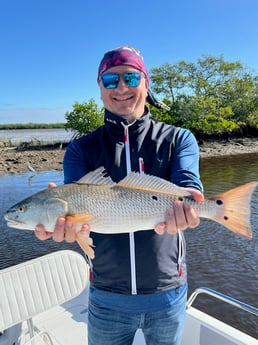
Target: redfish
138,202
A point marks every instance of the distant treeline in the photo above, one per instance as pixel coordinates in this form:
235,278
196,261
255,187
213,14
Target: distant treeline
31,125
211,97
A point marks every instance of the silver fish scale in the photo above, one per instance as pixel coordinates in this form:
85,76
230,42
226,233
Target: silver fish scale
116,207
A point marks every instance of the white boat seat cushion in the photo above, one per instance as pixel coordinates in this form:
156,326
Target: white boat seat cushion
37,285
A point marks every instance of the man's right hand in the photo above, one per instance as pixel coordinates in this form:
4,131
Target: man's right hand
63,231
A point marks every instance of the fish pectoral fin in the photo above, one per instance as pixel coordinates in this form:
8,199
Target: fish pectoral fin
152,184
86,243
83,238
79,218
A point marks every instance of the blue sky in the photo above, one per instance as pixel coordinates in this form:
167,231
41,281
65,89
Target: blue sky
50,49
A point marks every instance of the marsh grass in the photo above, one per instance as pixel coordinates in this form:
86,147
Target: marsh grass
32,125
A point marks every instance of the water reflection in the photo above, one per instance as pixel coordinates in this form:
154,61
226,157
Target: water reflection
217,258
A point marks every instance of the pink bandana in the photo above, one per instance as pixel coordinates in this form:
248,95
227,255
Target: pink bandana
124,55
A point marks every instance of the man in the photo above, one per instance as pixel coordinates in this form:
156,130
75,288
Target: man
139,280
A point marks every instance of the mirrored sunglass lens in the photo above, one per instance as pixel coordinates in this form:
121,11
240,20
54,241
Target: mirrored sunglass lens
110,81
132,79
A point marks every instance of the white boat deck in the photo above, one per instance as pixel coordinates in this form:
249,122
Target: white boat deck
66,324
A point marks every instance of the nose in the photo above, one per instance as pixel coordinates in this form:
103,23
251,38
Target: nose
122,85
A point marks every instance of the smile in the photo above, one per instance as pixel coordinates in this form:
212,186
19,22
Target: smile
123,99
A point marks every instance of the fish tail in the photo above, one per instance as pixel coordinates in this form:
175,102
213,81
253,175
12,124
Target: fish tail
235,214
86,244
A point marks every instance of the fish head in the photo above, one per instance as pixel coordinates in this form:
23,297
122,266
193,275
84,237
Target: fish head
41,208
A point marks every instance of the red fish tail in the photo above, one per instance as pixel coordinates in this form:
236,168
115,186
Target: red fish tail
235,209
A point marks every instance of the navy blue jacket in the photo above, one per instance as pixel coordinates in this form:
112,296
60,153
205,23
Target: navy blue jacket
168,152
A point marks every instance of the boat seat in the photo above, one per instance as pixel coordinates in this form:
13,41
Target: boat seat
37,285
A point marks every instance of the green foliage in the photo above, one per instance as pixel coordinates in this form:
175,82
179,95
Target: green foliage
169,80
208,116
253,119
84,118
167,116
211,96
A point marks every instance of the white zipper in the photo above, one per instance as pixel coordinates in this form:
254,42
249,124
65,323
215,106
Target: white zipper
131,234
133,264
180,254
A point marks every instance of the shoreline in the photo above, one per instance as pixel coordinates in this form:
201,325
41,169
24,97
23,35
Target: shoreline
15,160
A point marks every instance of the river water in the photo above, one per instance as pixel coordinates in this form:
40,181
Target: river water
216,257
49,136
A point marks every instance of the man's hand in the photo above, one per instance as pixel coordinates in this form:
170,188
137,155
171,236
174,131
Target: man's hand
181,216
64,230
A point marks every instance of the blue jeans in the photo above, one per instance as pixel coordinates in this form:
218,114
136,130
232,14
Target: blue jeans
109,327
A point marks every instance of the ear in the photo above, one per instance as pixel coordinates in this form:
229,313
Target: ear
146,87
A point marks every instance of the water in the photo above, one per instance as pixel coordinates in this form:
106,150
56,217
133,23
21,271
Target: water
217,258
17,136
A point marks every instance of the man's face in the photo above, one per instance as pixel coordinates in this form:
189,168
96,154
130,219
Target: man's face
125,101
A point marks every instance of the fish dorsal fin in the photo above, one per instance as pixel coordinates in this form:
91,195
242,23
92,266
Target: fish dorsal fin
134,180
97,177
151,183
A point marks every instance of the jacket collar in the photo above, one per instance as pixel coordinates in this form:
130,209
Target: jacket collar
116,122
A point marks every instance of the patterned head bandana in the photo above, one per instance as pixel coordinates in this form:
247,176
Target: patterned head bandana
124,55
130,56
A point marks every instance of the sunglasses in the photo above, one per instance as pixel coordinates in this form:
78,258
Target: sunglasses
111,80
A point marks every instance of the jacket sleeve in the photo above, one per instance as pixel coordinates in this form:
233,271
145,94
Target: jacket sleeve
75,163
185,164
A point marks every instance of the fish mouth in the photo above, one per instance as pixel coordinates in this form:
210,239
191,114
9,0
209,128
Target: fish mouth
14,223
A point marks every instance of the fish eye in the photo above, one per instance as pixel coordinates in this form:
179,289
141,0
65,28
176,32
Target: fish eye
21,208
